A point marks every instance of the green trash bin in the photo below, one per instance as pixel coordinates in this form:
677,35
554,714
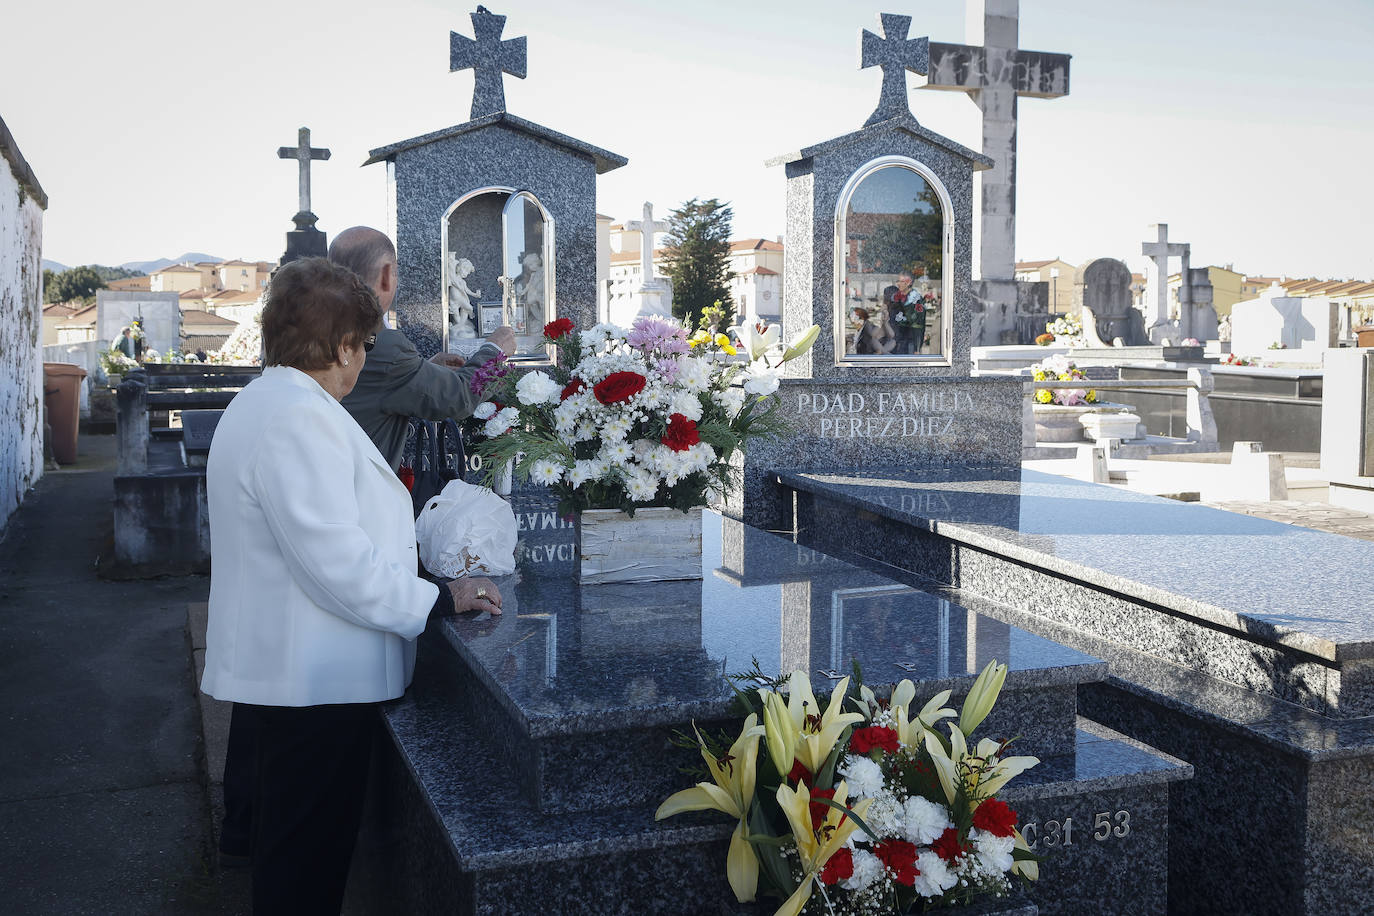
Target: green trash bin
62,397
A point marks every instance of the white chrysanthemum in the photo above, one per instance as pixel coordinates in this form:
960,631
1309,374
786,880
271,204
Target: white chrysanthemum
885,815
731,400
546,471
867,869
586,429
536,388
501,421
582,471
642,486
760,379
644,450
687,404
616,428
933,877
484,411
862,775
694,374
616,453
993,852
925,820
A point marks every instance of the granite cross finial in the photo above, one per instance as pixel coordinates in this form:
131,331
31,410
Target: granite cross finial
646,227
303,153
488,57
896,54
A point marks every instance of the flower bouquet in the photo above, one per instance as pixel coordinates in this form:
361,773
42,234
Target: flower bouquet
1059,368
872,810
915,310
1067,330
633,419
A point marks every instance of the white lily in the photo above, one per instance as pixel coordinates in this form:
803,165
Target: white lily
803,343
757,343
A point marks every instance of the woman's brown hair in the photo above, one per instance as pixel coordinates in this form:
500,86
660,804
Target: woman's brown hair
312,309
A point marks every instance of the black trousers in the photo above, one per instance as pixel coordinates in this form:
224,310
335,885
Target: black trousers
310,769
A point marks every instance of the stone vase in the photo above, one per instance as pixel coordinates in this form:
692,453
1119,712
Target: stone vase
1062,423
656,545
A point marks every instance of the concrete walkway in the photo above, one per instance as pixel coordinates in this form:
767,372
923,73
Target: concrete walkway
103,801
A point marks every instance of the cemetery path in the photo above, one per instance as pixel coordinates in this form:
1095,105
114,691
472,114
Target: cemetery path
103,805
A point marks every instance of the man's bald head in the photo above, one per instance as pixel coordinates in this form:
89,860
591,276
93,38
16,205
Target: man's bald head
370,255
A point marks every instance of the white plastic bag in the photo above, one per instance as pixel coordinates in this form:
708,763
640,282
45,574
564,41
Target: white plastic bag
466,530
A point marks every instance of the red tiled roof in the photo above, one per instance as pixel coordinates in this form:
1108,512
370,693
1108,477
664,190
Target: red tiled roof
755,245
763,271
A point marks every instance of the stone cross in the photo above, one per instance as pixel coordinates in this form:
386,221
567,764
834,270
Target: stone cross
1157,283
995,72
646,228
303,153
896,54
488,57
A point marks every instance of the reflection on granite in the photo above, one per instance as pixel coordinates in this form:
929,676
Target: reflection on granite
565,665
1186,557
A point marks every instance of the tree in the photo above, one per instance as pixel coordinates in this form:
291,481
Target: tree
908,241
70,284
698,256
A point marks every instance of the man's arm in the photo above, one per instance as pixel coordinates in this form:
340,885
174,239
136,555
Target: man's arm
419,388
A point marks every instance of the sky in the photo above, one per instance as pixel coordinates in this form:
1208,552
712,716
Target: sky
1246,125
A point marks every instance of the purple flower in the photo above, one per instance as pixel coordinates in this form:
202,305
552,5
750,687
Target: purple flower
488,374
656,334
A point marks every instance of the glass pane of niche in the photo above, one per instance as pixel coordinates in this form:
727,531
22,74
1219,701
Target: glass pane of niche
498,256
527,283
892,279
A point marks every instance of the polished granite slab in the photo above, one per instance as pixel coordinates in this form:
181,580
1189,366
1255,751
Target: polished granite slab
1262,579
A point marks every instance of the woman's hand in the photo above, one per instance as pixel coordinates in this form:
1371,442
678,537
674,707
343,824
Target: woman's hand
475,594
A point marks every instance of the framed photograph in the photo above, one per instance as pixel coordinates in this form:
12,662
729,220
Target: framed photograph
489,317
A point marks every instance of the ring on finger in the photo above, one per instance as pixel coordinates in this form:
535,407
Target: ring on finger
481,593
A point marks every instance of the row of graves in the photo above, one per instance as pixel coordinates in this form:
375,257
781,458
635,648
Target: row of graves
1195,684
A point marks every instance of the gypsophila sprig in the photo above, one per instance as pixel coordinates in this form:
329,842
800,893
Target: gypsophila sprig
883,809
634,418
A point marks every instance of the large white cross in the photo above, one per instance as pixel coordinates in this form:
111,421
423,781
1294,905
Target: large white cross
646,227
303,153
1157,299
995,72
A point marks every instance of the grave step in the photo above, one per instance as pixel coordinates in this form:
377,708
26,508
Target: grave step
447,830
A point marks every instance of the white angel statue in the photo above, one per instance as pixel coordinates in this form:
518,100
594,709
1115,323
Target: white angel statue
460,297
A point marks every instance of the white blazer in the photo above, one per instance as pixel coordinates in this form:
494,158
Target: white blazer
313,593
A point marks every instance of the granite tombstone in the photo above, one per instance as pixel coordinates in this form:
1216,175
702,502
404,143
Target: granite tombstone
1102,291
879,243
494,219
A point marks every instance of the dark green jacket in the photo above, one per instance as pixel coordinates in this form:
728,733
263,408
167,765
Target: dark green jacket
396,384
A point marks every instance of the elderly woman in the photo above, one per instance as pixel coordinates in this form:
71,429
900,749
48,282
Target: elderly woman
314,598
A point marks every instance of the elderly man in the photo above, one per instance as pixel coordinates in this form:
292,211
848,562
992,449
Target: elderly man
396,384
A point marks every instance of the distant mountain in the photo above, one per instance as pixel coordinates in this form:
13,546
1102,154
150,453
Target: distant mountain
148,267
55,266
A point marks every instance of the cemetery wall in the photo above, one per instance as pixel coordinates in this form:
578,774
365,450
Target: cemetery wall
22,202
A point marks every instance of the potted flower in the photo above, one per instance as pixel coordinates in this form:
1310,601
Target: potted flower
1058,411
114,363
1066,330
634,430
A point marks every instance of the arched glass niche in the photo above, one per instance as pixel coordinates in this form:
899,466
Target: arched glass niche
498,257
892,291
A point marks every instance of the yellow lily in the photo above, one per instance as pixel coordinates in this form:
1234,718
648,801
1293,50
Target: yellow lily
982,696
723,341
732,793
981,774
780,734
816,732
815,847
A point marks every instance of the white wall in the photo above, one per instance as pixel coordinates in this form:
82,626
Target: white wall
21,319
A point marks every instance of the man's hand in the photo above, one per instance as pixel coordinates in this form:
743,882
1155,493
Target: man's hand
475,594
504,338
449,360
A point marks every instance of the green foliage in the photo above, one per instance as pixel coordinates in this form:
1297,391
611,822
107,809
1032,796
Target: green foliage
698,254
81,282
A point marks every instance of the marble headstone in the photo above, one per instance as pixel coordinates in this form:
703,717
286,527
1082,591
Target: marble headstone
159,313
1294,322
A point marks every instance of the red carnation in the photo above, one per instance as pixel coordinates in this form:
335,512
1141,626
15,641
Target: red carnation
874,736
995,817
948,846
681,434
799,774
557,328
619,386
900,858
839,867
572,388
819,809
